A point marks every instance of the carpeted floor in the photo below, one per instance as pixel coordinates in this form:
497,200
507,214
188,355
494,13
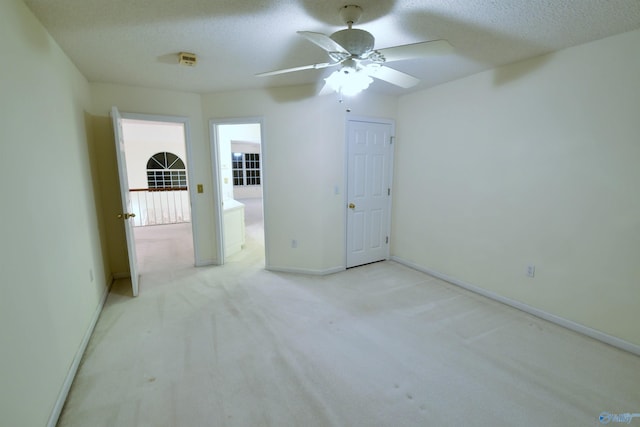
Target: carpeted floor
379,345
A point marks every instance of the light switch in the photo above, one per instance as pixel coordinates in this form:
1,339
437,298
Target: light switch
200,188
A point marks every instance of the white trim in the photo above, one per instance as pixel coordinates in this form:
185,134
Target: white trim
195,235
371,119
217,185
324,272
561,321
264,165
75,364
206,262
217,192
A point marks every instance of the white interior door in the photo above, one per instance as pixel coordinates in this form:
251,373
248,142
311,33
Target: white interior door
127,212
368,191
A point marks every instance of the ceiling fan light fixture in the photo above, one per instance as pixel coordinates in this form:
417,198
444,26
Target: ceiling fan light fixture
349,81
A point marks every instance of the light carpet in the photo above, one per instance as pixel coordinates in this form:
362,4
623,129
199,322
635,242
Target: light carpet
378,345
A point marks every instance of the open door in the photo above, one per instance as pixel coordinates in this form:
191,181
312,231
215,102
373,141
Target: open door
127,212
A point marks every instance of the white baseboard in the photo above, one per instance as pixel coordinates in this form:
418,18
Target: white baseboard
231,250
206,262
561,321
306,271
66,385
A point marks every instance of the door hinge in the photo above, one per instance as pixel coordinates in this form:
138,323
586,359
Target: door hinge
391,140
388,191
387,240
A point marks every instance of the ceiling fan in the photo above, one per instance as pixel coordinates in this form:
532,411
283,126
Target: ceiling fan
353,50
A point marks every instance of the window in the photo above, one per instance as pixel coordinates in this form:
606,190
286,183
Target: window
246,168
166,170
238,169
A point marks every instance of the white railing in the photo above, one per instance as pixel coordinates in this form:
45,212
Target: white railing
160,206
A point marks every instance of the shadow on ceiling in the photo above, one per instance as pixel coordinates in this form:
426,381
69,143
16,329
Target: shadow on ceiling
328,11
479,44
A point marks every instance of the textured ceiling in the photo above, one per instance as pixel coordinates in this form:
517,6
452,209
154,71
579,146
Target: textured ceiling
135,42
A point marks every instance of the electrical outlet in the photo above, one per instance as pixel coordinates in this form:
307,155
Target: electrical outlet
531,270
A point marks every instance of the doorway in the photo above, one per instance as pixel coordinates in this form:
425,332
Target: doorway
157,160
237,148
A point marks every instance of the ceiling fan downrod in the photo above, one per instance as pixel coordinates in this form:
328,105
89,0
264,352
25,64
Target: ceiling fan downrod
350,14
357,42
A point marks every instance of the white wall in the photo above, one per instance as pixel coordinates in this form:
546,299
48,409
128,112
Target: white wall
537,162
303,163
245,147
53,276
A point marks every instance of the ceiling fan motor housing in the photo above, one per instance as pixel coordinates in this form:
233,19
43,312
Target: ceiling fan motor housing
357,42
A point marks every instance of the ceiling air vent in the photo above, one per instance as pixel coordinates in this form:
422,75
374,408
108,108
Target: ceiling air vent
186,58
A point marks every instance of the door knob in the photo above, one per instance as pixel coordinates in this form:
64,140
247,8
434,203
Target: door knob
126,215
352,206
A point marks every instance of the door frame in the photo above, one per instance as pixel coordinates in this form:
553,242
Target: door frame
217,185
377,120
190,178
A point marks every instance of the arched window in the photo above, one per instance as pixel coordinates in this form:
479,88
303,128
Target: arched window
166,170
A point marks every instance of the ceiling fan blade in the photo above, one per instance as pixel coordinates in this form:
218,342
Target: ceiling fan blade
416,50
324,41
303,67
392,76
